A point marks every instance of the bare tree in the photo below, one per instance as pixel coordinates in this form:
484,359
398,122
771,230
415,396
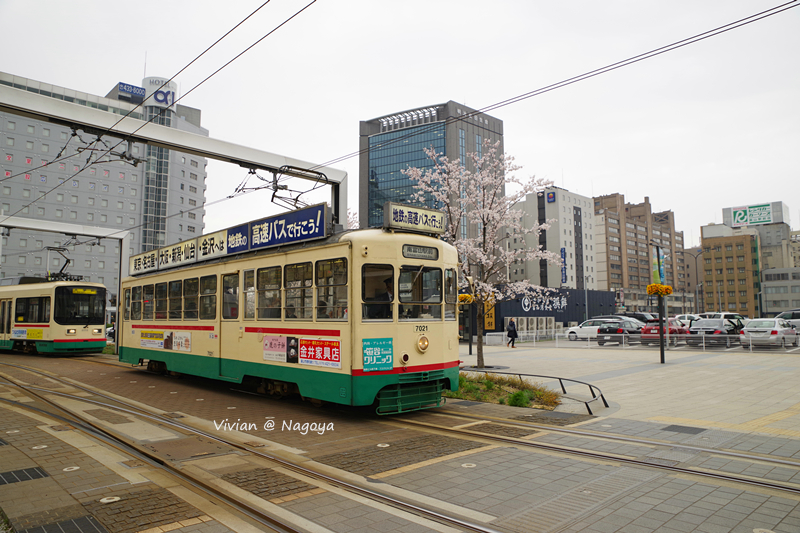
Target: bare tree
481,216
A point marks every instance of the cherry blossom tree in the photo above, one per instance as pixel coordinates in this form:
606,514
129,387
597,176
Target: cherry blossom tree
481,216
352,219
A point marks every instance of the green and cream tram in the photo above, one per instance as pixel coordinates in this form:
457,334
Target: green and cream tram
52,317
357,317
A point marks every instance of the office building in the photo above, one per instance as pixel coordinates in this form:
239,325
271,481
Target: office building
626,237
571,235
731,270
395,142
781,290
52,172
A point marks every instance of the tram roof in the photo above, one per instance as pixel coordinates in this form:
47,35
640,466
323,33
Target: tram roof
334,238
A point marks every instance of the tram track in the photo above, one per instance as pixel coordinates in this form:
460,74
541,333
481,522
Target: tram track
256,515
617,458
743,481
405,505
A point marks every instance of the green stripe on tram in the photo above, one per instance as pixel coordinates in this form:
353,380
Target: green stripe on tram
395,392
70,347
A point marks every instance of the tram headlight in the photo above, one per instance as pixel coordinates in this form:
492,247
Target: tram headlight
71,331
422,343
97,331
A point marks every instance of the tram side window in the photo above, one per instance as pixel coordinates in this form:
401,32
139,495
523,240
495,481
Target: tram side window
268,286
299,293
175,300
450,294
148,295
230,296
161,301
136,303
191,289
249,292
208,298
32,310
127,303
420,293
377,286
3,316
331,281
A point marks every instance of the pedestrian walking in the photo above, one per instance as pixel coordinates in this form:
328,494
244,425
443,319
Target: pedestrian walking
512,332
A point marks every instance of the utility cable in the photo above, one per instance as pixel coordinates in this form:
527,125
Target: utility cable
176,101
581,77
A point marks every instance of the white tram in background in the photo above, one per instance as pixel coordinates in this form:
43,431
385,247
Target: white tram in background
38,315
357,318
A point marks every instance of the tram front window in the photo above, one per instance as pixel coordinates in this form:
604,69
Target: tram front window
377,291
420,291
80,305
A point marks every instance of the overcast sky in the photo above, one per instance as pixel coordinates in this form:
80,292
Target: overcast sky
715,124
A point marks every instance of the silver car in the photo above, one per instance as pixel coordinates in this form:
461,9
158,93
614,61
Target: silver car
769,332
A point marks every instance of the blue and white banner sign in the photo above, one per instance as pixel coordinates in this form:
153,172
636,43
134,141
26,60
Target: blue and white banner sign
412,218
287,228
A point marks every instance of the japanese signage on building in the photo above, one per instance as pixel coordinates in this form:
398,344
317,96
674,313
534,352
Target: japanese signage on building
408,217
752,215
378,355
286,228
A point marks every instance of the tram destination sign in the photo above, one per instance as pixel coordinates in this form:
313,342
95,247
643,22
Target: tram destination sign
408,217
287,228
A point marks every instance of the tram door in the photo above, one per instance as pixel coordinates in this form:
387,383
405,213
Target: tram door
5,322
231,328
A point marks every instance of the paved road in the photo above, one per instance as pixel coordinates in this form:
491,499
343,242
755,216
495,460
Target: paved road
731,389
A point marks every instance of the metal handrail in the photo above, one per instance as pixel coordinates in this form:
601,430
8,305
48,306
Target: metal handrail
592,388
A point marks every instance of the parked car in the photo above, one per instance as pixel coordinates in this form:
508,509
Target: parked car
769,332
586,330
677,332
618,317
792,316
641,316
621,331
714,331
687,319
731,316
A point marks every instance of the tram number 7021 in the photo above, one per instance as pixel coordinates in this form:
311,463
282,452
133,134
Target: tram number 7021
420,328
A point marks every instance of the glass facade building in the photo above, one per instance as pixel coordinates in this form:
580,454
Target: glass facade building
392,152
392,143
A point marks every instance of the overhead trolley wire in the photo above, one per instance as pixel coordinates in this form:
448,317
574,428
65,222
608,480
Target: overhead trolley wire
569,81
581,77
176,101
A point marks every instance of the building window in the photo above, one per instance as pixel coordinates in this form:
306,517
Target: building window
192,189
193,163
190,229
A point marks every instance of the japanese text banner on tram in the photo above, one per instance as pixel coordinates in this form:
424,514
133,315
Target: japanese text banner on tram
295,226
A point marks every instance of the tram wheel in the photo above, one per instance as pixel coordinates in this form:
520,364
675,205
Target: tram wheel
159,367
